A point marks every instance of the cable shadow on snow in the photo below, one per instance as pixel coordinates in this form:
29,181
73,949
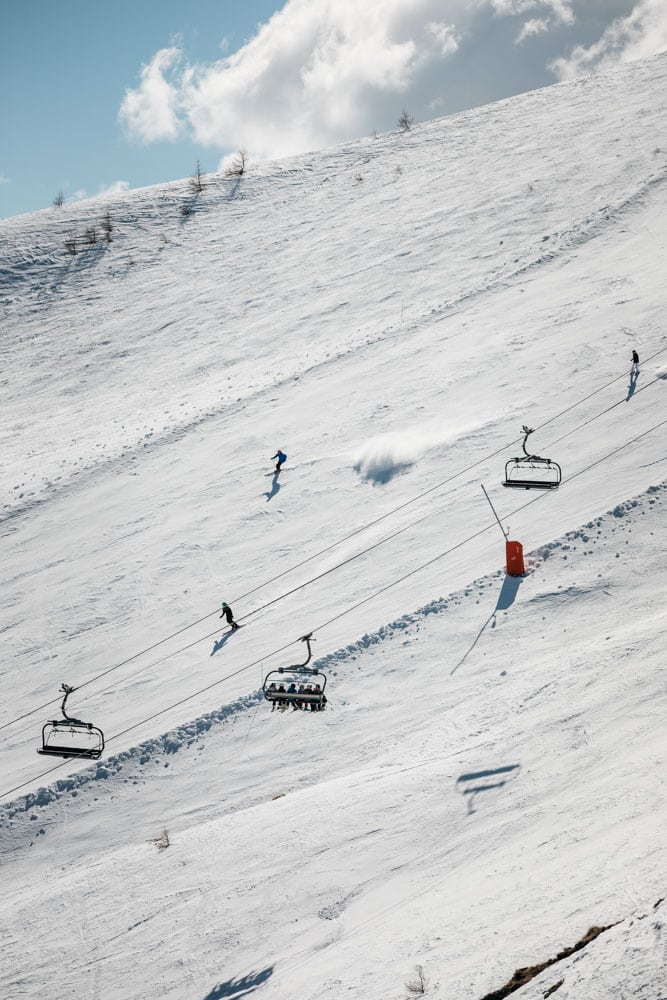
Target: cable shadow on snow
234,989
275,487
506,598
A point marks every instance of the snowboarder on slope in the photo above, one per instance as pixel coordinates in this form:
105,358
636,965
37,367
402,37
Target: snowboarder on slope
634,371
281,456
229,615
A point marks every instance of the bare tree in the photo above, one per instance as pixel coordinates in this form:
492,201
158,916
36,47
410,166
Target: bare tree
197,180
59,200
405,121
70,246
90,236
237,167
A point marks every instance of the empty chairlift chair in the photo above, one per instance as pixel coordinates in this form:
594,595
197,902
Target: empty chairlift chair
530,472
69,737
286,686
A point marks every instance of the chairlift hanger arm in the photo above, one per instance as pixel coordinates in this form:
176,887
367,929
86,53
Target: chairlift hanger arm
526,432
67,688
307,639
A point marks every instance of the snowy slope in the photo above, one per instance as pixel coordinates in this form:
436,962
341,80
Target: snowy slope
488,779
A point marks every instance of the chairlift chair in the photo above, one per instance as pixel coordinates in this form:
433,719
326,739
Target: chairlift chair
277,682
530,472
69,737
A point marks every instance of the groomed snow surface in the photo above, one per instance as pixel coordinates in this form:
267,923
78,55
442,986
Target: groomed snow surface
487,781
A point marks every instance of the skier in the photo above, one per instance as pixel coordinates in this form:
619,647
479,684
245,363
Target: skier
229,615
281,456
634,371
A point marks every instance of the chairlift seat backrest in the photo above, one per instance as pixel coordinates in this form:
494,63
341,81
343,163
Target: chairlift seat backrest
68,737
63,738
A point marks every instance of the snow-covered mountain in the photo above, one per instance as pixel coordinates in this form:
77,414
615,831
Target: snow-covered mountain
487,782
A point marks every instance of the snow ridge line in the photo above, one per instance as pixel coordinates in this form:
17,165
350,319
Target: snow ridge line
184,735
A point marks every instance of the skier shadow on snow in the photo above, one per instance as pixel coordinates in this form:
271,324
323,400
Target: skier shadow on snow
631,388
234,989
477,782
219,643
506,598
275,486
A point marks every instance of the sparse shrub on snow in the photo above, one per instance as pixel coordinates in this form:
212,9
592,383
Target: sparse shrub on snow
418,985
405,121
237,165
59,200
197,180
162,842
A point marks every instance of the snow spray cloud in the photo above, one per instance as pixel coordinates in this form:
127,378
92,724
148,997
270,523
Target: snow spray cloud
384,457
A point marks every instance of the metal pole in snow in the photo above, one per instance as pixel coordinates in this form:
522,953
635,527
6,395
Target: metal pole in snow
505,533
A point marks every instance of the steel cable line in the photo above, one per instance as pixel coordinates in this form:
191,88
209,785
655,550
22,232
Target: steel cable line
340,541
594,393
444,482
603,413
116,666
354,607
324,573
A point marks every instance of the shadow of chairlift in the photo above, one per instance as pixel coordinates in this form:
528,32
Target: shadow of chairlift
530,472
477,782
277,683
71,738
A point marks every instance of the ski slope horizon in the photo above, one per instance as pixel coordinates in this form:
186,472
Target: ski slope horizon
491,761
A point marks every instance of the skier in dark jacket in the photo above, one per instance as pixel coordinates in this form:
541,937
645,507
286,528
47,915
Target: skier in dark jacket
634,371
281,456
229,615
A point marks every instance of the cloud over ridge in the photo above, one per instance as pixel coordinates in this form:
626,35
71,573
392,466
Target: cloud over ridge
318,74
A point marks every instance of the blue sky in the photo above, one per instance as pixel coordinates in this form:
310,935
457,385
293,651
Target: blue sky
66,64
100,95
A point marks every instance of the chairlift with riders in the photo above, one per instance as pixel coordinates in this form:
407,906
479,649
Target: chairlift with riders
285,686
69,737
530,472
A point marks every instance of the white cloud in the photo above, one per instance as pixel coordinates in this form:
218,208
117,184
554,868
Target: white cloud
641,33
534,26
445,36
111,190
105,191
313,75
320,73
150,112
560,10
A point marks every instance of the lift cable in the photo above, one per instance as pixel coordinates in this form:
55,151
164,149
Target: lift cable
340,541
347,611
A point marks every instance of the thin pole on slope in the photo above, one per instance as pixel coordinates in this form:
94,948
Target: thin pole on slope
505,533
